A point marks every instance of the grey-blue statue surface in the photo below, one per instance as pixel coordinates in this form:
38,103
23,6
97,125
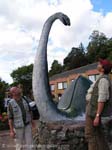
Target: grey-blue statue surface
70,106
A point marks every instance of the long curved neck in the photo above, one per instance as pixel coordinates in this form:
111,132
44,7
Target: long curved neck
42,51
41,88
45,32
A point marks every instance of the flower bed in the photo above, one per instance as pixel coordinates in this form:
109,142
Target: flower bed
4,122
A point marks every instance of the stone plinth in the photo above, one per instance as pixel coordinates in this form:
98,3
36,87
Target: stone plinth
64,136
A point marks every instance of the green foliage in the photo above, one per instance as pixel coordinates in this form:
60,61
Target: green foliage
97,47
23,75
55,68
3,87
109,47
75,58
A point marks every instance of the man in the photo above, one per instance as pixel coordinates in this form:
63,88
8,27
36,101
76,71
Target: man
98,97
20,119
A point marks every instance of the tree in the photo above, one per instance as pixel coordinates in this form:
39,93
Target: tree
3,88
55,68
109,48
97,47
76,58
23,75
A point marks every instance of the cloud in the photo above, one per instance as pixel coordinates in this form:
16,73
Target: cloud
21,24
106,24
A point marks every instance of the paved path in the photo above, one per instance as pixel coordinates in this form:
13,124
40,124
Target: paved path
6,142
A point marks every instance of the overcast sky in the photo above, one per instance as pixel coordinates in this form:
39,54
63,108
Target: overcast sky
21,23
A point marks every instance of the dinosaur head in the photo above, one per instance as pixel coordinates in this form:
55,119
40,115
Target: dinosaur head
64,19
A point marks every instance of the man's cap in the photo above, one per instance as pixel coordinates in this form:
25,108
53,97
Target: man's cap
106,63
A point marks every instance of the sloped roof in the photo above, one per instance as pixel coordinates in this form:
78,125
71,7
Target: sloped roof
74,71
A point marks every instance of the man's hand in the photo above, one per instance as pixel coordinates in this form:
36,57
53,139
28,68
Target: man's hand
12,134
96,121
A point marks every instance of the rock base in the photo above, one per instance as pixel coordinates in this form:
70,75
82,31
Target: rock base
64,136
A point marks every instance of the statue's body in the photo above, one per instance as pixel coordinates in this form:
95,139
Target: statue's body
68,108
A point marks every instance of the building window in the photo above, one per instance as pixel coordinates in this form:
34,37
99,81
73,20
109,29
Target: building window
52,87
62,85
92,78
